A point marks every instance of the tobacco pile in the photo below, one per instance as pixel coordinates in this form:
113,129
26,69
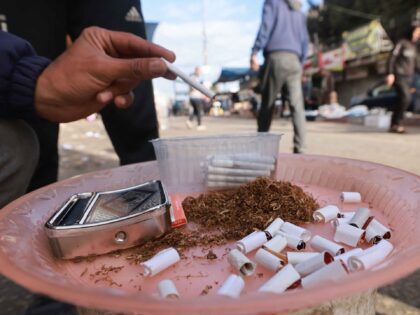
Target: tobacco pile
233,214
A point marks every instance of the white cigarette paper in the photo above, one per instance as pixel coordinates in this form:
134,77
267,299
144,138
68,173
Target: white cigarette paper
274,227
281,280
241,164
371,256
276,244
230,179
360,217
321,244
265,159
268,260
161,261
375,231
344,257
298,231
251,242
326,214
295,258
348,235
344,217
187,79
167,289
232,287
211,184
350,197
313,264
293,241
236,172
331,272
241,263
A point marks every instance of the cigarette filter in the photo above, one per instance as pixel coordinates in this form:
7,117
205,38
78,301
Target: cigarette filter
295,258
293,241
251,242
162,260
276,244
360,217
346,215
331,272
236,172
241,263
371,256
167,289
293,229
351,197
344,257
186,78
326,214
232,287
281,280
343,218
268,260
348,234
321,244
375,231
313,264
274,227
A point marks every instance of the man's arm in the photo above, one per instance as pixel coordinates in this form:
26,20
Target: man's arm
390,78
305,42
266,28
20,68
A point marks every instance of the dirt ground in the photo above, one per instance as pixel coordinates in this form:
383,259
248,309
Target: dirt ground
85,147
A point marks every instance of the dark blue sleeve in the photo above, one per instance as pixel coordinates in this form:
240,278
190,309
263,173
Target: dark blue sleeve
267,22
19,71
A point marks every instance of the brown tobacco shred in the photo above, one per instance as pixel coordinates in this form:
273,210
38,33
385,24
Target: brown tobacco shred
206,290
231,215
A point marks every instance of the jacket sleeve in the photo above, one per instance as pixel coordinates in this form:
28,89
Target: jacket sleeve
20,68
266,28
305,42
393,58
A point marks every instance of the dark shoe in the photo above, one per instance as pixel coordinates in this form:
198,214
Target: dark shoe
397,129
297,151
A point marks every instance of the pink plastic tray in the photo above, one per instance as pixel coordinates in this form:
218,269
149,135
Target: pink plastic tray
25,256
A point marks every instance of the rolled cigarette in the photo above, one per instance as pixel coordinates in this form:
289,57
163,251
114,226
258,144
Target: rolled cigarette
276,244
360,217
313,264
251,242
375,231
265,159
293,241
281,280
241,164
241,263
187,79
211,184
295,258
321,244
167,289
232,287
344,257
230,179
326,214
331,272
274,227
293,229
348,234
268,260
350,197
162,260
371,256
237,172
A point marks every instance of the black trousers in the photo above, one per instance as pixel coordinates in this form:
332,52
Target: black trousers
45,24
197,105
402,86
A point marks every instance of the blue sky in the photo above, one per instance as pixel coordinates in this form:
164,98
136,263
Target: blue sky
232,26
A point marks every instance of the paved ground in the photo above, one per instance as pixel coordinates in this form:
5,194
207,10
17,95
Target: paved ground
84,147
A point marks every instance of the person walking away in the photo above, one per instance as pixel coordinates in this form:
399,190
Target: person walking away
197,101
401,70
283,37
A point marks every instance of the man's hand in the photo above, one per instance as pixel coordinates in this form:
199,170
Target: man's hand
254,63
390,79
99,67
